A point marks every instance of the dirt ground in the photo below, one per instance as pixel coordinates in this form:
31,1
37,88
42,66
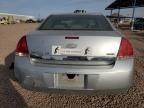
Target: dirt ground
12,95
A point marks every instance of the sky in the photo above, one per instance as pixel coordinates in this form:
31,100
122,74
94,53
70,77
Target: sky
42,8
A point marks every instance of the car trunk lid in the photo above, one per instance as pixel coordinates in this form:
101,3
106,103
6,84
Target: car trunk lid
74,47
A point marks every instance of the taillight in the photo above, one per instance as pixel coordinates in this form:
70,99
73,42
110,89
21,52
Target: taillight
22,46
126,49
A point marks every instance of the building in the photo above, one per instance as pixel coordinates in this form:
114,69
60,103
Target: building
15,18
119,18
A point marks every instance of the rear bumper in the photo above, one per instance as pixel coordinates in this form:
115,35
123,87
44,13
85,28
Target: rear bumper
118,77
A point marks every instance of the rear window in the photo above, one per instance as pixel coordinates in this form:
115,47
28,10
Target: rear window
76,22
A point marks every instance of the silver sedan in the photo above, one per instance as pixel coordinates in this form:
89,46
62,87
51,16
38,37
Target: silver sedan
79,51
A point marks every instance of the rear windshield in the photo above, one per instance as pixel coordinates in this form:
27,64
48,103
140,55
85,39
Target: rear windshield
76,22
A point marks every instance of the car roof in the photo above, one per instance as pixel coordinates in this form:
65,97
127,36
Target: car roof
85,14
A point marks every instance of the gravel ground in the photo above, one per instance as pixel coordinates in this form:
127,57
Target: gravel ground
12,95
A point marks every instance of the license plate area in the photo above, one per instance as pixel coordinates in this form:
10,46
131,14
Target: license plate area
63,82
58,50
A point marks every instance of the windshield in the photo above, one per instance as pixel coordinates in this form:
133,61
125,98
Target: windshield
76,22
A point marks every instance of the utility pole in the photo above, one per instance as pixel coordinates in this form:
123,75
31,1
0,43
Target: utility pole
118,14
111,12
133,14
118,17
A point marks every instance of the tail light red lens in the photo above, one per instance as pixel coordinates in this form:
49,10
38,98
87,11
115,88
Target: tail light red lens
126,49
22,46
